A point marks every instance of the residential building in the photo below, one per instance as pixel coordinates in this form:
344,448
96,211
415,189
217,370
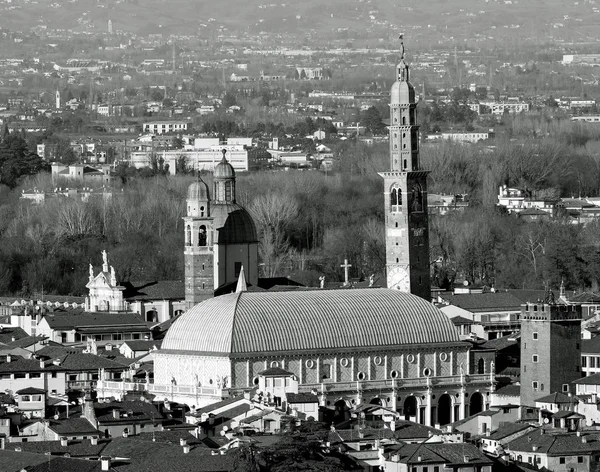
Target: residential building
556,451
18,374
424,457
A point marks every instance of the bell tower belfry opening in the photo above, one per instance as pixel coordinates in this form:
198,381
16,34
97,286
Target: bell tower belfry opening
405,192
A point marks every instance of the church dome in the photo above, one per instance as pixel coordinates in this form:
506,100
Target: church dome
312,320
234,224
198,191
224,170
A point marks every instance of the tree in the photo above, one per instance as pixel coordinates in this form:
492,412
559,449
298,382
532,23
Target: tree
371,119
273,213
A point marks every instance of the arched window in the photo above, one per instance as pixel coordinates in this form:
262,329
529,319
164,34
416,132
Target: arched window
404,120
202,236
481,366
228,191
417,198
396,199
188,236
201,211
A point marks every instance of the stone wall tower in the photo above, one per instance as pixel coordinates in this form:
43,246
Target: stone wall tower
199,240
550,349
405,193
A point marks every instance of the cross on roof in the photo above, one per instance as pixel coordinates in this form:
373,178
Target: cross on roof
346,267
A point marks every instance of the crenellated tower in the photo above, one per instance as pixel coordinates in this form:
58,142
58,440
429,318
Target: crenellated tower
405,192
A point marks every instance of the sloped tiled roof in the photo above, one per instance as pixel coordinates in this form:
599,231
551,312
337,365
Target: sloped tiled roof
145,456
25,342
154,290
86,320
590,346
276,372
72,426
508,429
593,379
301,398
217,405
461,320
510,390
556,397
484,302
15,461
27,365
7,334
77,448
500,343
141,411
555,443
435,453
306,320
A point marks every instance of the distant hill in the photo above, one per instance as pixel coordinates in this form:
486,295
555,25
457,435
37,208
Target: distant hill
445,19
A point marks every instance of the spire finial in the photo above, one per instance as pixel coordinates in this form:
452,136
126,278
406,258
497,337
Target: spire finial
224,151
241,283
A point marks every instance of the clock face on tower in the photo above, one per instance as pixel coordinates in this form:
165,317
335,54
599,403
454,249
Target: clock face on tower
399,279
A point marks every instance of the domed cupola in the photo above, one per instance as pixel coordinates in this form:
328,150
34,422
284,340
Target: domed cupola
402,91
198,199
224,181
224,169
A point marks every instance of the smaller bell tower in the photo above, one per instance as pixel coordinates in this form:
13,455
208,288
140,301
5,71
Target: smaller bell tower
199,250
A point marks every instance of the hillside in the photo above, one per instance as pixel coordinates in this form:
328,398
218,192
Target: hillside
441,20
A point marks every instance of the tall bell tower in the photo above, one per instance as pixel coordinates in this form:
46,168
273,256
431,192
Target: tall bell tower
199,249
405,193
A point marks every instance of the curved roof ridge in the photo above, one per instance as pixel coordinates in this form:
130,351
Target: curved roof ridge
312,320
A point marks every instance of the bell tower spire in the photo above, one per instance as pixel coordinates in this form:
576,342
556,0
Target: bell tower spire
405,193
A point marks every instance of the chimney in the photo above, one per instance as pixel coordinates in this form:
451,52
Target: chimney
419,459
94,440
584,440
186,449
105,462
182,442
116,414
125,433
64,442
578,433
2,442
8,358
222,452
534,448
42,365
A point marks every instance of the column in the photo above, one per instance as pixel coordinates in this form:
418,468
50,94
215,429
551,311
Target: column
358,393
463,406
428,399
394,395
335,369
